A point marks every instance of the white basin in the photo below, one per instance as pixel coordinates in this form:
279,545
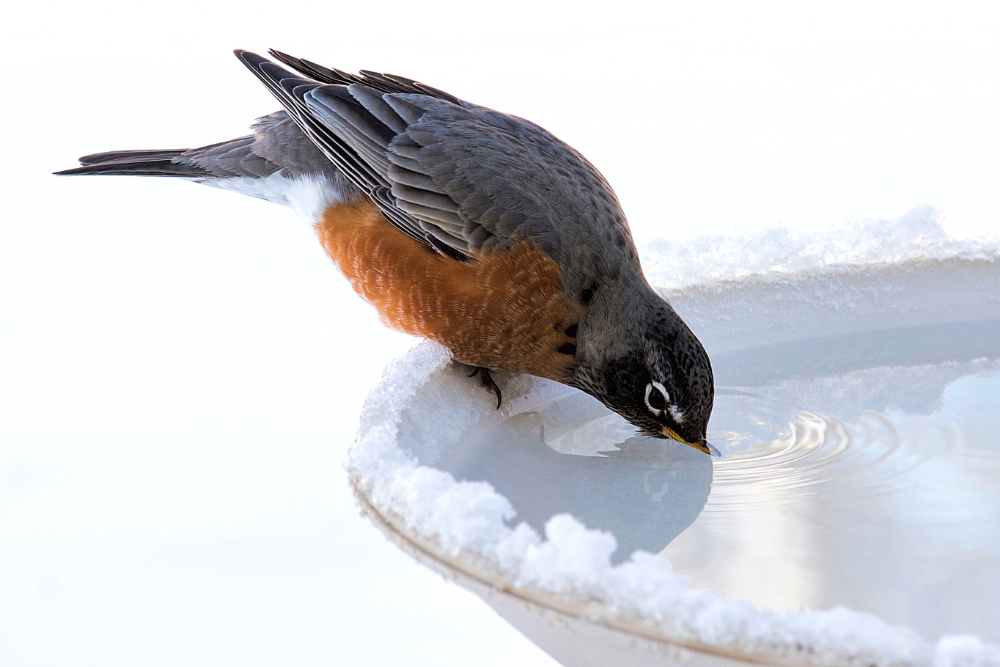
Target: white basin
858,410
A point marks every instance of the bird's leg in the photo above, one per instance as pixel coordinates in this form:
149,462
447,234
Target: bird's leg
487,378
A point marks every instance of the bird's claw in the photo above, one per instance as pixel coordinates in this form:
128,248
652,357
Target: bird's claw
488,382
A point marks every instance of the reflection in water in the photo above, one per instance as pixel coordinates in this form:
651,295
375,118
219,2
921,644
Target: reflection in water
569,453
876,486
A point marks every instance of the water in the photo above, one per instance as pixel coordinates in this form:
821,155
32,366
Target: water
875,488
860,435
568,453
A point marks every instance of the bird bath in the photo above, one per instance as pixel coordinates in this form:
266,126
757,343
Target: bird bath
853,518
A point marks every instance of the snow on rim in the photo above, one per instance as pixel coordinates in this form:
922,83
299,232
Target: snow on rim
779,251
422,400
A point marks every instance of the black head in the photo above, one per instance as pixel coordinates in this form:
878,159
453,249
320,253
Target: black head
665,387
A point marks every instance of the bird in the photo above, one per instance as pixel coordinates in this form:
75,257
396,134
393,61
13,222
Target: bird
464,225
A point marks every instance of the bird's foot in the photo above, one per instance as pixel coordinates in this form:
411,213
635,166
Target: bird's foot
488,382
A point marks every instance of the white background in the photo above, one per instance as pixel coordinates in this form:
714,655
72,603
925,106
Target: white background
181,369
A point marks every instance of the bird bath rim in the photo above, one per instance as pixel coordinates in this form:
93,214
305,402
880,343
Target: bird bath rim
382,473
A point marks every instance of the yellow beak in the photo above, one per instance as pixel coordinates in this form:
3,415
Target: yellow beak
705,447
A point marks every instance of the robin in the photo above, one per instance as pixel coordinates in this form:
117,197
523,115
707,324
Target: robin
471,227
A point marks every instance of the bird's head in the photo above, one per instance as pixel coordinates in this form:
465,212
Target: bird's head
661,383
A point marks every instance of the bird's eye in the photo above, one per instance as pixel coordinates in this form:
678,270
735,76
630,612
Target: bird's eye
656,397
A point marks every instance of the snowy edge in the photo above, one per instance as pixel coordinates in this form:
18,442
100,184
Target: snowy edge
573,561
782,252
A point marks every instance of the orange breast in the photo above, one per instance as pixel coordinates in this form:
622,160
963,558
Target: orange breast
505,310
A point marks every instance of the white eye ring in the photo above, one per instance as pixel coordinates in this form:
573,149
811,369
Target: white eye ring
663,391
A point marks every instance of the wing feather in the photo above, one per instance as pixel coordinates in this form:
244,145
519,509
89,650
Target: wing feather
458,177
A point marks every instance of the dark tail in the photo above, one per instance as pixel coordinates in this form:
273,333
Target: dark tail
137,163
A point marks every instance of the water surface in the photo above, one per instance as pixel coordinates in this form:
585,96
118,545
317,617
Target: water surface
858,414
875,486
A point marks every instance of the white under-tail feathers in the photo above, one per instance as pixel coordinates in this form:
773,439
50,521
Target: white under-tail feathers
308,195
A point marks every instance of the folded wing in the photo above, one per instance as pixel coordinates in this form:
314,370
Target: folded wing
458,177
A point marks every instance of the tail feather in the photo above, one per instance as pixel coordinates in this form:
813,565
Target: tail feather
137,163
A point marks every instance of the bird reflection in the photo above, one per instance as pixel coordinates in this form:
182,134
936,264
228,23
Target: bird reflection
571,454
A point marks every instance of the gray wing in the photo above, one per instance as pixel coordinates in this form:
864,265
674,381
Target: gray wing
459,177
